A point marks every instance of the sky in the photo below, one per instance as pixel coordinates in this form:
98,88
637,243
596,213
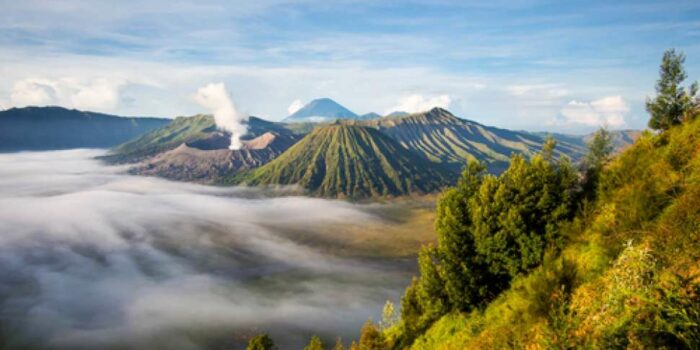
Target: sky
567,66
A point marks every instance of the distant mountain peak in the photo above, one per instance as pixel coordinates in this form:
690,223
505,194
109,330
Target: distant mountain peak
432,116
369,116
321,110
396,114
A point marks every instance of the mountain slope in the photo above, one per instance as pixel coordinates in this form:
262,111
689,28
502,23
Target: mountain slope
443,138
620,138
626,275
47,128
349,161
199,131
320,110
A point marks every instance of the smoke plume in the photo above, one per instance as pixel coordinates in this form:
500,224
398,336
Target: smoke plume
217,99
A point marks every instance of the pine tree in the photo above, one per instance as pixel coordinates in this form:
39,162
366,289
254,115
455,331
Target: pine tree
315,344
600,148
338,345
370,337
261,342
673,103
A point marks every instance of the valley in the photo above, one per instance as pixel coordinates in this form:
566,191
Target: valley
349,175
205,266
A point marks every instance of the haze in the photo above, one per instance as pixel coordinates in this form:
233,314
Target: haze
90,258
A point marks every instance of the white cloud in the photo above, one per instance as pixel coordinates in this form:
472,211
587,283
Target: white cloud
122,261
609,111
419,103
99,94
542,90
33,92
165,88
95,94
295,106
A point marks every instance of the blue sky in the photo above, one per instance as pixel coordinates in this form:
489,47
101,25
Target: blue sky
523,64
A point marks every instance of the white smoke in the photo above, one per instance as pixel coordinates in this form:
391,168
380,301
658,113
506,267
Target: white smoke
217,99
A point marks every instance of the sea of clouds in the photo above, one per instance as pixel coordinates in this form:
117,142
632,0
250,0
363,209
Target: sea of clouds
93,258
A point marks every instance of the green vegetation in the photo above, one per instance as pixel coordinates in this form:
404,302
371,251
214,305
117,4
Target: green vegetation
600,148
672,104
490,230
541,258
180,130
315,344
261,342
443,138
349,161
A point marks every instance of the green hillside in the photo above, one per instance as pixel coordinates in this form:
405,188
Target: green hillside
443,138
349,161
543,256
627,276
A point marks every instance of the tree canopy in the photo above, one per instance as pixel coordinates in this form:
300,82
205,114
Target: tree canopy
261,342
490,229
673,103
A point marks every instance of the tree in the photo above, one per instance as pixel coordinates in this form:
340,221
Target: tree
389,316
673,103
261,342
315,344
462,276
600,148
338,345
490,229
517,216
370,337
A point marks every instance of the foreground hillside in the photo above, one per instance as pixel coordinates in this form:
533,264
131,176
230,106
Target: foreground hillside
617,268
349,161
49,128
443,138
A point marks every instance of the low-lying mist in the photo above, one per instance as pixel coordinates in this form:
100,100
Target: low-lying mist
93,258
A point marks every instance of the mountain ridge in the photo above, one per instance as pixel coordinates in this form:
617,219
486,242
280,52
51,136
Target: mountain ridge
442,137
53,127
349,161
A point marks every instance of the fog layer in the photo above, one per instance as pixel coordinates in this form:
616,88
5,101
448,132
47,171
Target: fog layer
93,258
